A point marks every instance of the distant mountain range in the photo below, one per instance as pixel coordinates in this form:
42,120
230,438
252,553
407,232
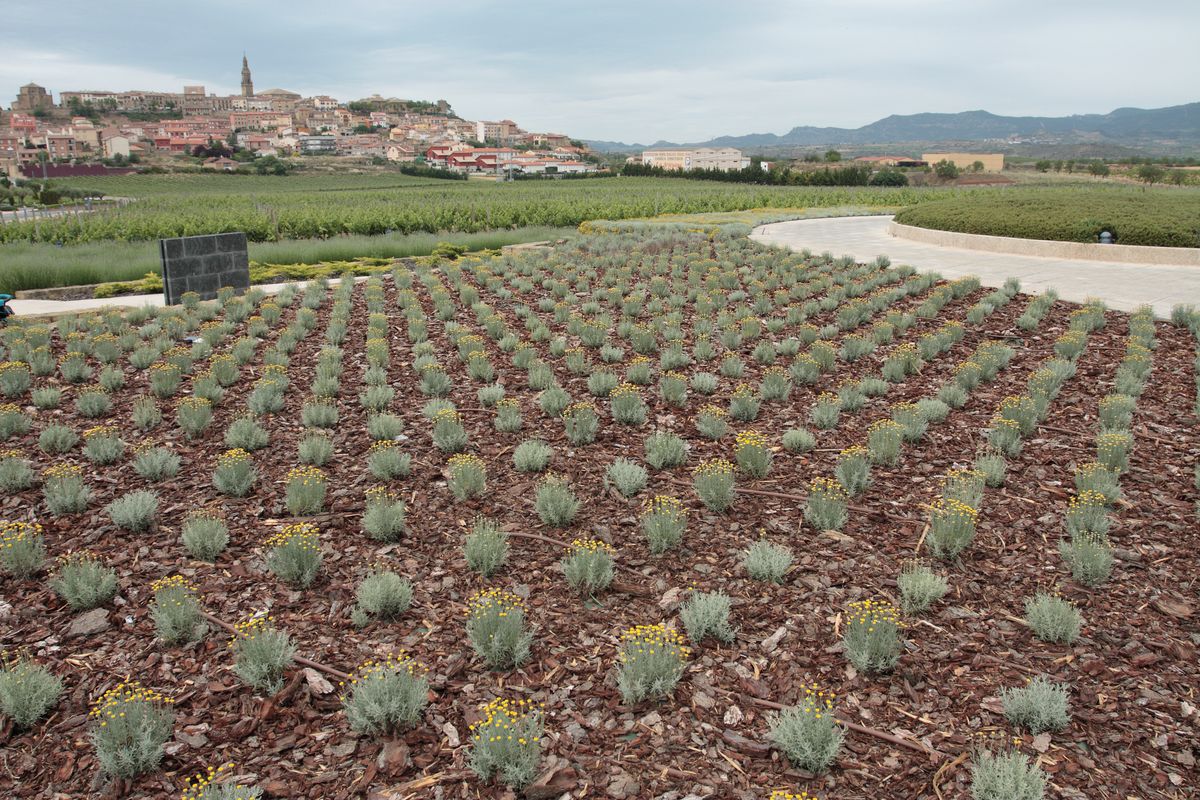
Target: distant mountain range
1170,127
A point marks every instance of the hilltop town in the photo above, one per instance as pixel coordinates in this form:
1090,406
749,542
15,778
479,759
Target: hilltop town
93,132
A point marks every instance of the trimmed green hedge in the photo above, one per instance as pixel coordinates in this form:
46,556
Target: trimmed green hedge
1162,218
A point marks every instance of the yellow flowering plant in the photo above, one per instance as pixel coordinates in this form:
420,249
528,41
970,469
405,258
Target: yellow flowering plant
261,653
130,725
588,566
27,689
871,635
506,742
496,628
752,453
714,483
808,733
651,660
235,473
385,696
210,785
826,506
711,422
294,553
305,490
951,527
22,548
175,610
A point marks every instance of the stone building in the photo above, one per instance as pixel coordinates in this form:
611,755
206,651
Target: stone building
32,97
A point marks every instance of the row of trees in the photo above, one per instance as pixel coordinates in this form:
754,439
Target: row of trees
848,175
1148,171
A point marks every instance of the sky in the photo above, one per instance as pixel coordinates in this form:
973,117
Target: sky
632,71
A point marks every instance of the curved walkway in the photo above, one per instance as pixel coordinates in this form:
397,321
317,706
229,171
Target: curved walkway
1121,285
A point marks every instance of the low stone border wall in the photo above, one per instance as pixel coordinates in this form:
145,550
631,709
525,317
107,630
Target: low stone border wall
1176,256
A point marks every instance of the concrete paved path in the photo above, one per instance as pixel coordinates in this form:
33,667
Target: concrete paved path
58,308
1122,286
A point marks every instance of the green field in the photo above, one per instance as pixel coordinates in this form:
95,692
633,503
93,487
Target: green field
37,265
271,208
1158,218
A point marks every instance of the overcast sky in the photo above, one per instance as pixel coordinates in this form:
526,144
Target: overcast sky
633,72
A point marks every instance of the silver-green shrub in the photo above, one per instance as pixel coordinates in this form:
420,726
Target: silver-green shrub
1039,706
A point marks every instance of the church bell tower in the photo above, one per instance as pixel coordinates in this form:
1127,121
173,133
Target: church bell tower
247,84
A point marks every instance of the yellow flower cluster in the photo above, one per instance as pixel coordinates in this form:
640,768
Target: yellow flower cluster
249,629
16,532
637,361
854,451
952,510
1010,402
1004,422
1087,500
501,717
194,403
967,366
807,360
487,600
712,411
381,494
508,402
591,546
957,475
625,390
195,788
302,534
172,582
446,415
1091,469
60,471
673,375
10,453
816,701
1112,441
828,399
164,366
176,352
393,662
306,475
223,358
777,372
575,408
382,444
274,371
829,488
112,704
873,613
713,466
905,351
235,456
885,425
663,504
744,390
6,366
431,366
1074,336
750,438
100,432
461,461
648,640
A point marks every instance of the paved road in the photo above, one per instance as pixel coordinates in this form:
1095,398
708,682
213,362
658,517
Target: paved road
57,308
1123,286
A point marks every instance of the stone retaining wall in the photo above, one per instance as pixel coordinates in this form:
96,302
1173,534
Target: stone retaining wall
203,264
1176,256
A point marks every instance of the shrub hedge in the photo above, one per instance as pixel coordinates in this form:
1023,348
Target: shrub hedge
1163,218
